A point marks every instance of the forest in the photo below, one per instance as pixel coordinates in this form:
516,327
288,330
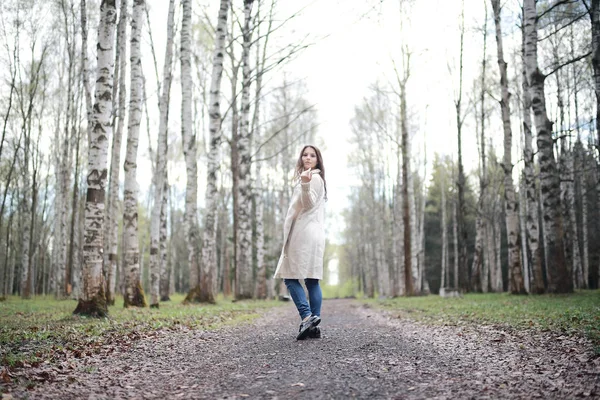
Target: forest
148,150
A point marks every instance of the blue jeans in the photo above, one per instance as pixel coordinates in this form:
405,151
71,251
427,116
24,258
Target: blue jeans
314,294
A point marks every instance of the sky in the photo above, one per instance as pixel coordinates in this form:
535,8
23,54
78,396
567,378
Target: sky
358,39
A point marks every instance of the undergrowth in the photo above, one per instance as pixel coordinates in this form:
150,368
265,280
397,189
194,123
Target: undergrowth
44,329
573,314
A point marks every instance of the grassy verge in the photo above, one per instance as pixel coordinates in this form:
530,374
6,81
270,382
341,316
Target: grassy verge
573,314
45,330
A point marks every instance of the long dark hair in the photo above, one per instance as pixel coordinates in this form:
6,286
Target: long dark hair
320,166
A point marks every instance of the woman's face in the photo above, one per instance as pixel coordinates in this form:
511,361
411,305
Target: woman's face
309,158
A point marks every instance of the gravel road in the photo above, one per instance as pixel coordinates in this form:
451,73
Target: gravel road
363,353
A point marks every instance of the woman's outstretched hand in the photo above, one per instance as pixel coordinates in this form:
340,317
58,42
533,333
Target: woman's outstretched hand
306,175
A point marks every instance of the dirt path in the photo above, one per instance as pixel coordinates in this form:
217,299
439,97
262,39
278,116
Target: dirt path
363,354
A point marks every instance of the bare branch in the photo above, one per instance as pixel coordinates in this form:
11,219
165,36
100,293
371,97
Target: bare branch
278,131
562,27
571,61
553,6
293,142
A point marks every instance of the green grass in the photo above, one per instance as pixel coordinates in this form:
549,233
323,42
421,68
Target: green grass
45,329
573,314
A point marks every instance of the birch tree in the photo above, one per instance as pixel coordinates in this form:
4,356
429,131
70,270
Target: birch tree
92,300
161,164
533,234
112,222
134,293
594,12
189,152
209,239
557,271
516,284
243,264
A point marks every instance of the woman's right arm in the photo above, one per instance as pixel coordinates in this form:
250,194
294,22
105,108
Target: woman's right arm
312,192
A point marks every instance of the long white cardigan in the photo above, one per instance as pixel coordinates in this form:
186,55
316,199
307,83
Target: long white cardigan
304,232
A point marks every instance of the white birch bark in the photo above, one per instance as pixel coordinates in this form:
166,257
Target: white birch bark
567,188
569,217
261,291
189,152
511,206
63,278
112,221
209,239
85,68
533,233
523,227
243,270
557,269
134,294
165,271
92,300
161,163
261,272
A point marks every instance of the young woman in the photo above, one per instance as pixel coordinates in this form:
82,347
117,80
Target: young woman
304,240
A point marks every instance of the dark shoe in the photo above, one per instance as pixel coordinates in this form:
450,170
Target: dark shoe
305,326
314,333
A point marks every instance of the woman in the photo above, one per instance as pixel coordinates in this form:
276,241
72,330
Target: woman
304,240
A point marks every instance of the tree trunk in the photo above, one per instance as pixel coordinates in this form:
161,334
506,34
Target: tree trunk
444,229
533,234
189,151
260,189
476,268
26,281
581,192
523,226
455,241
511,206
462,279
112,231
595,20
165,267
244,275
209,239
134,293
406,220
498,284
558,272
161,163
85,69
423,195
92,301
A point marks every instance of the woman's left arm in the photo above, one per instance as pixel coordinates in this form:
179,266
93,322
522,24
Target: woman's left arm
312,192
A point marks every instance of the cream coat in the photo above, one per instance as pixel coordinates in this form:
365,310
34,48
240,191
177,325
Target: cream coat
304,232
